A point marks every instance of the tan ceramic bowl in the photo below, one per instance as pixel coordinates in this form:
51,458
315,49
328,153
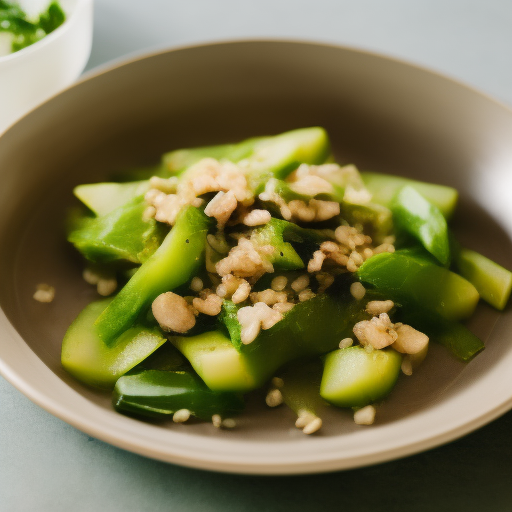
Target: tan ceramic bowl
382,115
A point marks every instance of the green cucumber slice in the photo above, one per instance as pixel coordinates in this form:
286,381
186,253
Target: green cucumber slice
87,358
102,198
492,281
354,377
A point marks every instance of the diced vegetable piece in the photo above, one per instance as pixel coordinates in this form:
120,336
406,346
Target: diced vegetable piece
408,278
284,257
87,358
492,281
423,220
121,234
385,186
161,393
279,155
311,328
172,265
354,377
102,198
219,364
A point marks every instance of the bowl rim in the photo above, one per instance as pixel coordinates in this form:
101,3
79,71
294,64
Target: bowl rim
46,40
498,405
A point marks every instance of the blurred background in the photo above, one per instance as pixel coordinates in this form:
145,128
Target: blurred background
46,465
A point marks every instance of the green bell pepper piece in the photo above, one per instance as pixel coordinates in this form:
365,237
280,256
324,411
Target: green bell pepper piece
121,234
424,221
274,233
87,358
172,265
409,278
158,393
384,188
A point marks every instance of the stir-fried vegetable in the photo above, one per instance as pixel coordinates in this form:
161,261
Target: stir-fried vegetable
266,264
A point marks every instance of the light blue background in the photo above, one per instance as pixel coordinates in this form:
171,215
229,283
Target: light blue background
46,465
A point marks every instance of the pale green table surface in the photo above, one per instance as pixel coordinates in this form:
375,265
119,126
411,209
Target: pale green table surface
47,465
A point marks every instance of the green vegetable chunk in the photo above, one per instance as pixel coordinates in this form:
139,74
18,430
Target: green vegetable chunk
172,265
492,281
87,358
277,156
273,233
311,328
423,220
122,234
384,188
408,278
102,198
354,377
160,393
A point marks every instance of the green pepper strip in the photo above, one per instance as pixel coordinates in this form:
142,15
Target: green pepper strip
160,393
172,265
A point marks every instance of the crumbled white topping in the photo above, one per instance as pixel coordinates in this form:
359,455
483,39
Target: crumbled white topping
44,293
274,398
181,415
378,332
279,283
196,285
346,342
256,217
300,283
357,290
254,318
409,340
211,305
376,307
173,313
365,416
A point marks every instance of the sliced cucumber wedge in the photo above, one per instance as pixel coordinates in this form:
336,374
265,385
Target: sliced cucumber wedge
87,358
354,377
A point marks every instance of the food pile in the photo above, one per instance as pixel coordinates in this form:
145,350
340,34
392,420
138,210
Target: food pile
266,265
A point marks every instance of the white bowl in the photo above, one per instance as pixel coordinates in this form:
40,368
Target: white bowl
30,76
382,114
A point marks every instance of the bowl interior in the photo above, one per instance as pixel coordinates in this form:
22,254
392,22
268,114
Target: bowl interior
381,114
